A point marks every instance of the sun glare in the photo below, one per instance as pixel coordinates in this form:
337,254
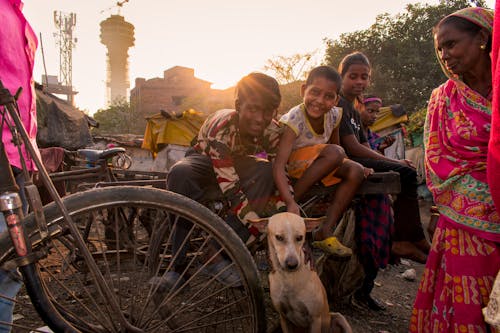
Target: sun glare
221,42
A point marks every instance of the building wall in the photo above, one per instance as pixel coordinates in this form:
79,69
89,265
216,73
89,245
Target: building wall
168,93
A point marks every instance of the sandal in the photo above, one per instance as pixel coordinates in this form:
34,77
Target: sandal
333,246
169,281
228,276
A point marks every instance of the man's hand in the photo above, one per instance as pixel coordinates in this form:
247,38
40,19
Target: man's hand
406,162
388,141
368,171
293,207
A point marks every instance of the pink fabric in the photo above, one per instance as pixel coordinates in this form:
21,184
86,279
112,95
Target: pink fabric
456,283
465,254
457,132
494,146
18,44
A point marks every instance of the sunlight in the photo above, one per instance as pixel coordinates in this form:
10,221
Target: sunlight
221,42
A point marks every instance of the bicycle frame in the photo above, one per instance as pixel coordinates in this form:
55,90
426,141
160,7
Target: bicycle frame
11,207
13,216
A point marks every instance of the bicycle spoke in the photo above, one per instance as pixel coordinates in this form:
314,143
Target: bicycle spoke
132,243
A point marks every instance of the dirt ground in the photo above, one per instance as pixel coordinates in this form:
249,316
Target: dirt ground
394,291
391,288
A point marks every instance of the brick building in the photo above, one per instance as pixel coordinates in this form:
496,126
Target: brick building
170,93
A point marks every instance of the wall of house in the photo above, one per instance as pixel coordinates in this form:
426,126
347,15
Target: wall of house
168,93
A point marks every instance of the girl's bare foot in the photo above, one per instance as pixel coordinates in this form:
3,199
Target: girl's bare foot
423,245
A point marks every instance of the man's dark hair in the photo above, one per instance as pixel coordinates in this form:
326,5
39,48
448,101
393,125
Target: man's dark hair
356,58
259,84
326,72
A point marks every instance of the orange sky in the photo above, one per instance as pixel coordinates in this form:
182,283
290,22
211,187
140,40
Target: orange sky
221,39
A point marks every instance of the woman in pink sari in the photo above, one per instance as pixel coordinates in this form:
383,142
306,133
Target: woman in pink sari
465,254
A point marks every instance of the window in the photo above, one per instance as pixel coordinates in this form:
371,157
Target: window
177,100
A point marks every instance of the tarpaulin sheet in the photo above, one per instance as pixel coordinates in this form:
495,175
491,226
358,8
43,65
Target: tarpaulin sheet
387,118
60,124
161,131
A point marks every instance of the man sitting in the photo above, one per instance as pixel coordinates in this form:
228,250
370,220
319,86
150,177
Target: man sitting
231,154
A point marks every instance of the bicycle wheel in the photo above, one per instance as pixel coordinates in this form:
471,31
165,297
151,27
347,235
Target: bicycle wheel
115,223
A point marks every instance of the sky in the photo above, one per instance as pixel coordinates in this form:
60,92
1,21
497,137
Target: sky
222,40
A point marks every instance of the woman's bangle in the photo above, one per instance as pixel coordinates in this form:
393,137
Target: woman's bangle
436,214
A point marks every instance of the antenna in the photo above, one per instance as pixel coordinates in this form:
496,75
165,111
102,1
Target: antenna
64,39
118,4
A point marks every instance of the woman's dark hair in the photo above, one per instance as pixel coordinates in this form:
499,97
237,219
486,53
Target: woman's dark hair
326,72
462,25
356,58
259,84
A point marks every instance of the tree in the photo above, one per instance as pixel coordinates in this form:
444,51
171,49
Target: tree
401,51
119,118
290,96
287,69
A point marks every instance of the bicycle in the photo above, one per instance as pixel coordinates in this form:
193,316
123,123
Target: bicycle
118,287
86,168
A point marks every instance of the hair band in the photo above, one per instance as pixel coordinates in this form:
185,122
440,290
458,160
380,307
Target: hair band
372,99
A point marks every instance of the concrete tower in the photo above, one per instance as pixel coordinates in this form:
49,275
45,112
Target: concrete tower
118,36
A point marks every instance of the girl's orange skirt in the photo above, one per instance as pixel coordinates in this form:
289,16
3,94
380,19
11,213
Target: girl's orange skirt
302,158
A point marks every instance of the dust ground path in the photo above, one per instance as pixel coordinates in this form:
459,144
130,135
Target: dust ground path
394,291
391,288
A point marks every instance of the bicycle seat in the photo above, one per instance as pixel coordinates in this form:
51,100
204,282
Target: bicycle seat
93,155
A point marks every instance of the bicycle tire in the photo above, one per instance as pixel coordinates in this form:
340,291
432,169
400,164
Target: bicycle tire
201,304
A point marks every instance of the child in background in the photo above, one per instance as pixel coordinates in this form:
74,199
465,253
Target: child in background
369,113
374,217
309,151
409,239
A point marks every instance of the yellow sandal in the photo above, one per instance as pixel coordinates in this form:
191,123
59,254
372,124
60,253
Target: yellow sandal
333,246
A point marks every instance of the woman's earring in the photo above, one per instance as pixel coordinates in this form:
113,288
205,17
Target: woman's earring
482,46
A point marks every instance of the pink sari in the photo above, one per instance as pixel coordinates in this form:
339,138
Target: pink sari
457,134
465,254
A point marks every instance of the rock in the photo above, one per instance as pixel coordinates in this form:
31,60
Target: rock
17,316
405,262
409,274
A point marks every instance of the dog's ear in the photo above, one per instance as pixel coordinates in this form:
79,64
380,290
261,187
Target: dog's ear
260,224
313,222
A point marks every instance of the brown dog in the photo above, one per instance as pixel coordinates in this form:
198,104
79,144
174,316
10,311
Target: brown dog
296,290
